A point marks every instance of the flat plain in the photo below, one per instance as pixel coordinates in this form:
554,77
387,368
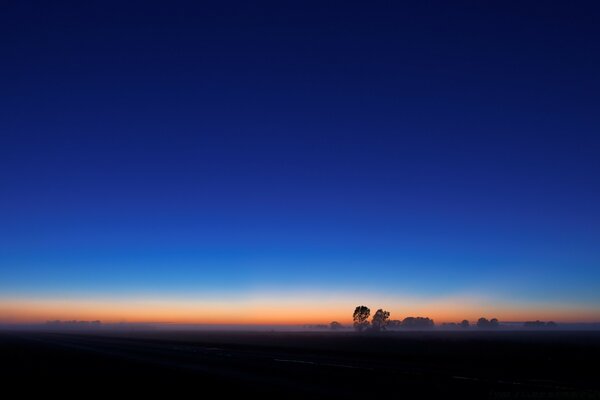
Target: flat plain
431,364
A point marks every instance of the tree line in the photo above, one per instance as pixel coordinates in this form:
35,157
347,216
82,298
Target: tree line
381,321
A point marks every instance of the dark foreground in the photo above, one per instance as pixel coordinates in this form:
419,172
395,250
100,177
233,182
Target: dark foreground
497,365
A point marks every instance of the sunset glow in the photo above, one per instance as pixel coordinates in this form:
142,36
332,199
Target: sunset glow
279,310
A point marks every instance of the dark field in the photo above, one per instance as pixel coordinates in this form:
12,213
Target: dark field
554,365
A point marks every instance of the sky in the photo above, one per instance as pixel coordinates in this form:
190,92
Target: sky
284,162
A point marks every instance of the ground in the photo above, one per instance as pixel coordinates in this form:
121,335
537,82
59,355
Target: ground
503,365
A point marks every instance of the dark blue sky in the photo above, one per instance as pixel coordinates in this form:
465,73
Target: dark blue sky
426,148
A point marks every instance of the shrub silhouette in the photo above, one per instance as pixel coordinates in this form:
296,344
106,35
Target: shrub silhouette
483,323
539,324
334,325
534,324
417,323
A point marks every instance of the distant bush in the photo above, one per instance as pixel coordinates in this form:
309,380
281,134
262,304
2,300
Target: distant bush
73,324
316,326
484,323
334,325
539,324
417,323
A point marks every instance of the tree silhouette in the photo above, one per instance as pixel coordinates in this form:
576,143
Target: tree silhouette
417,322
380,320
483,323
537,324
334,325
464,323
534,324
361,318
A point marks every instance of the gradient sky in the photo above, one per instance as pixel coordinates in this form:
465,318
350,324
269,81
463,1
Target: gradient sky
283,162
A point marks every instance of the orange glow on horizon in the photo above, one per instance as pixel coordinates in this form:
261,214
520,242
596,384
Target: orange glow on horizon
294,310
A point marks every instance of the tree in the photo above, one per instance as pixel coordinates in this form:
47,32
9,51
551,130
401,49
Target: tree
361,318
464,323
380,320
334,325
483,323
